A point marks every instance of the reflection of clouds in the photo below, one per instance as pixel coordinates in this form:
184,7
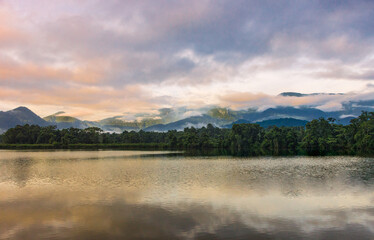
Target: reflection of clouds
120,220
135,194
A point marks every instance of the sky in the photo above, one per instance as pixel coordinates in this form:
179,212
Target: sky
99,58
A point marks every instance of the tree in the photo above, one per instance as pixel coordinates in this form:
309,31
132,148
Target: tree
364,137
246,138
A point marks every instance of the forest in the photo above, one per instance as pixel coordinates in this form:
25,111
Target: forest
319,137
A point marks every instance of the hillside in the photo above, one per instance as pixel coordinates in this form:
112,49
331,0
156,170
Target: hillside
19,116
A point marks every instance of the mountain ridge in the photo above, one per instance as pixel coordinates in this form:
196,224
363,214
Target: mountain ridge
19,116
220,117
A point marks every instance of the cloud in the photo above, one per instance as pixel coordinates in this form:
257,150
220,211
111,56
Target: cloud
128,220
190,52
89,99
346,73
10,34
328,102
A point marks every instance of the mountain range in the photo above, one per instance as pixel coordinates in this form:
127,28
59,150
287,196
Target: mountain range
220,117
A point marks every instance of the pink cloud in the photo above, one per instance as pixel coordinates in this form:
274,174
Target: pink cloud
126,55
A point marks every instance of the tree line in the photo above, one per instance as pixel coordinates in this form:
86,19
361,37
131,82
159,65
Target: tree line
319,137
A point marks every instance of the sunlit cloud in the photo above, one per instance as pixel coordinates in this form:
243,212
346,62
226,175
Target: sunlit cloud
84,56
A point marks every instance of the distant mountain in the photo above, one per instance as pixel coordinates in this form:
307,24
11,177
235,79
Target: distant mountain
169,119
26,116
280,122
240,121
296,94
284,112
292,94
196,121
344,121
356,107
62,121
115,124
283,122
118,123
19,116
222,113
58,119
215,116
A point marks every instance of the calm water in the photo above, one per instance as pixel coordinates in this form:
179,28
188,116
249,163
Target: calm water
156,195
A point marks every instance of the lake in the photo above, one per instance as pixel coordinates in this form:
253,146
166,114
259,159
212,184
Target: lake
166,195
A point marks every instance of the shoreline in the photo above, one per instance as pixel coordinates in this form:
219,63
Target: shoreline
155,147
124,146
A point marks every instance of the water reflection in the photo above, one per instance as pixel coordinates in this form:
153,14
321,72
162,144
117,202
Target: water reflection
140,195
21,170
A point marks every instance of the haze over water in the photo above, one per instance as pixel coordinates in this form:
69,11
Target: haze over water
163,195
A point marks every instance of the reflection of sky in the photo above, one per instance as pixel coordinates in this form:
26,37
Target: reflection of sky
111,194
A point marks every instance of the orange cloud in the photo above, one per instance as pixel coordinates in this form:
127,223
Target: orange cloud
91,101
28,72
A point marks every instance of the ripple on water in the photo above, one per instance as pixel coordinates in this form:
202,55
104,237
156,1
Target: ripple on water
135,195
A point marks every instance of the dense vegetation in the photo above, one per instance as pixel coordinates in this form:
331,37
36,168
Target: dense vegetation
319,137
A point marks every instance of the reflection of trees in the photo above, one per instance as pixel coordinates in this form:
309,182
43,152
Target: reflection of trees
363,172
21,170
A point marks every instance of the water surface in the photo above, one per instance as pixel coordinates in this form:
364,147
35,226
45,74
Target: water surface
162,195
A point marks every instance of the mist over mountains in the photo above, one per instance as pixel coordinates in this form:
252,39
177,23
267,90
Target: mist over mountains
167,119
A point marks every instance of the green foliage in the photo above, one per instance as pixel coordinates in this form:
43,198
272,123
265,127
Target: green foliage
324,137
28,134
222,113
116,122
319,137
364,136
282,141
57,119
246,139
